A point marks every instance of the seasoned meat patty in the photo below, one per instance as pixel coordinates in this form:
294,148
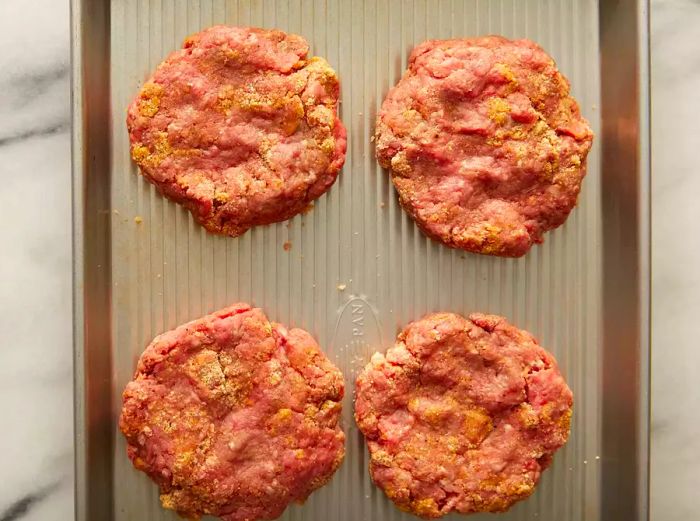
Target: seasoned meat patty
486,147
240,127
234,416
461,415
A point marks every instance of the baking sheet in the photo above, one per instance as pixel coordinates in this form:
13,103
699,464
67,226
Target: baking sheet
358,268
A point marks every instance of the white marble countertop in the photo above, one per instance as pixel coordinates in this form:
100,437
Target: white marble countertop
676,259
36,474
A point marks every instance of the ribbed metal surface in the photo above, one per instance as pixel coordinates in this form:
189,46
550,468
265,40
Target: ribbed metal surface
167,270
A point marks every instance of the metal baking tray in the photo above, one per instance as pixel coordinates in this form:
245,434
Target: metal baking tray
143,266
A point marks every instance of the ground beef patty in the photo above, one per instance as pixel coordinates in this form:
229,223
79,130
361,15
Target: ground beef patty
486,148
240,127
461,415
234,416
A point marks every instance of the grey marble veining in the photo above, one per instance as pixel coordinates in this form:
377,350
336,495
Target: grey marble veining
36,472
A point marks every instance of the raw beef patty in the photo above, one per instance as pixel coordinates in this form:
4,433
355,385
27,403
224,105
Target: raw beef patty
486,147
240,127
461,415
234,416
